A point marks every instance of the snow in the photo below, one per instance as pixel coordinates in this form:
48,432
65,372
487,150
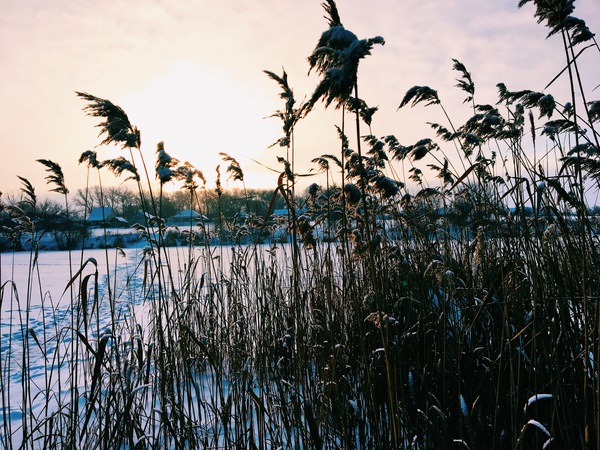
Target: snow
39,307
535,398
539,426
37,315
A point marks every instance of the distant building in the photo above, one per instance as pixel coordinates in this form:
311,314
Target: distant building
107,217
100,215
143,218
118,222
186,217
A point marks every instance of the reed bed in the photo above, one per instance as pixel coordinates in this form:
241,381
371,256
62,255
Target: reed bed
458,313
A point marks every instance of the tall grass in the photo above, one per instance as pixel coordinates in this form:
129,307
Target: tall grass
462,313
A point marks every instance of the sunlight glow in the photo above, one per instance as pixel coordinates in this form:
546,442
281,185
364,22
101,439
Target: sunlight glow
198,112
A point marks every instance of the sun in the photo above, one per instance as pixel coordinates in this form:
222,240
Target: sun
199,111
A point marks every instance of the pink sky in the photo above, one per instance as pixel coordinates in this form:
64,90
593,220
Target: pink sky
190,73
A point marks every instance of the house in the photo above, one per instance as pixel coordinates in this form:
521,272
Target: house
187,217
107,217
118,222
101,215
143,218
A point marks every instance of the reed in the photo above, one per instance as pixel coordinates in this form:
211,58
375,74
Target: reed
460,312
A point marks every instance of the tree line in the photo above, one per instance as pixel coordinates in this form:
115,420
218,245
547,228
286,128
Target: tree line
213,204
24,213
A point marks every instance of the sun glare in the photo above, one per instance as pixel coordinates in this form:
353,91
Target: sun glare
199,111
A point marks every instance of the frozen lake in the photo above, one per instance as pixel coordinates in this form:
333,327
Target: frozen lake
49,355
38,287
53,269
36,313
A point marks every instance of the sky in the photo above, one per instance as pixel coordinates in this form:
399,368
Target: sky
190,73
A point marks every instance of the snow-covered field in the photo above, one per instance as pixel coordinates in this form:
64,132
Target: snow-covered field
44,282
46,349
36,308
37,314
